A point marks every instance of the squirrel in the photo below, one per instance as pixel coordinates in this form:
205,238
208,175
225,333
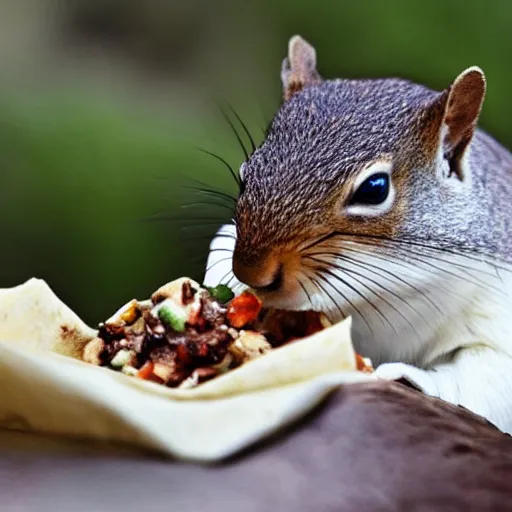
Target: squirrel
382,200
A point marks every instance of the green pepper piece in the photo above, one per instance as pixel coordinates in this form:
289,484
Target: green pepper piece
172,317
221,292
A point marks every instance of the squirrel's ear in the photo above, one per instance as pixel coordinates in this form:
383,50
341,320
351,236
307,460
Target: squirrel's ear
299,68
464,101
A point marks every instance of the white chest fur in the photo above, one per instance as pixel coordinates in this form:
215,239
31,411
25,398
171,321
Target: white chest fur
477,372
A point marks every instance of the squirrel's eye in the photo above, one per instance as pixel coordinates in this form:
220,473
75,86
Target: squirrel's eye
374,190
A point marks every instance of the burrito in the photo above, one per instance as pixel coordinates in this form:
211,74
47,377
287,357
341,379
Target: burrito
187,334
166,372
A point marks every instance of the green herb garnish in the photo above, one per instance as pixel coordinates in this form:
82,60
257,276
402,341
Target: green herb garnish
221,292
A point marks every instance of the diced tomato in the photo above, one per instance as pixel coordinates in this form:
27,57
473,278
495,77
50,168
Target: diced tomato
243,310
146,372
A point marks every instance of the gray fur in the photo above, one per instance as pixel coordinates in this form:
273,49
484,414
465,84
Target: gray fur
476,218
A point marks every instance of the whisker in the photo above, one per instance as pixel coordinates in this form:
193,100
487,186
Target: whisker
453,250
397,246
226,275
170,217
222,260
203,224
249,136
325,291
218,249
212,192
211,237
305,290
320,272
186,178
231,279
205,219
375,268
225,235
207,203
401,299
319,241
234,130
411,268
453,263
377,309
226,164
476,281
199,226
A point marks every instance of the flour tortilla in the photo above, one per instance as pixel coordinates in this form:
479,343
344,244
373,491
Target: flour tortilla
50,390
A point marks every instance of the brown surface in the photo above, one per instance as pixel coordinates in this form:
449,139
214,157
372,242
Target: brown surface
375,446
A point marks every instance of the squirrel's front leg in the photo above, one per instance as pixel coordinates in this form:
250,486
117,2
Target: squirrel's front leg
478,378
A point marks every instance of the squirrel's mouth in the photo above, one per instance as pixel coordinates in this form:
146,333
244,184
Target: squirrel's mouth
281,284
277,279
289,294
274,285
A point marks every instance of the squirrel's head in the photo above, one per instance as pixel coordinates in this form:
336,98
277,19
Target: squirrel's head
340,173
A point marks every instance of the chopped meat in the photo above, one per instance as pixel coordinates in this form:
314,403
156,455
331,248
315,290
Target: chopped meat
212,312
194,336
187,293
281,326
187,334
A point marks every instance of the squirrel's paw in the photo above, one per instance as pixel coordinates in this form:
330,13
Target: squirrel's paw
416,377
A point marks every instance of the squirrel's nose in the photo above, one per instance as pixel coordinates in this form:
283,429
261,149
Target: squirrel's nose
262,276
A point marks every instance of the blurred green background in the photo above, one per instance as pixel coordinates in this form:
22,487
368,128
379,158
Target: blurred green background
102,103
